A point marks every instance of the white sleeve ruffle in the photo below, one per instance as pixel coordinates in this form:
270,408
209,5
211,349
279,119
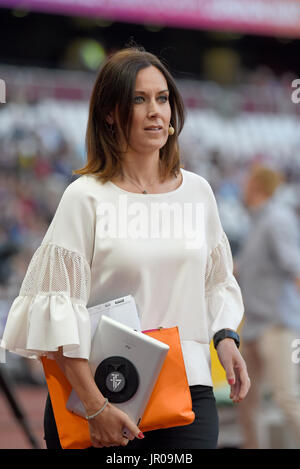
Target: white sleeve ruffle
50,310
224,301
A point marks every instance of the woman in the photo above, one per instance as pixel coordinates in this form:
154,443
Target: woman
135,117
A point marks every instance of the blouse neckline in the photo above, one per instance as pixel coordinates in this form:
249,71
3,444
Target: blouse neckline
141,195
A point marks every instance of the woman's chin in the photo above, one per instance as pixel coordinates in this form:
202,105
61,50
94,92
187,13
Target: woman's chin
148,147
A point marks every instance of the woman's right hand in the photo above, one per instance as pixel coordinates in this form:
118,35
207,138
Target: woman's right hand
106,429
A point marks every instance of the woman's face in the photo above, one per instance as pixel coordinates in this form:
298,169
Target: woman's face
151,111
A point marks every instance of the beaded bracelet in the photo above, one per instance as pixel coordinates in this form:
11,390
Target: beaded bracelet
89,417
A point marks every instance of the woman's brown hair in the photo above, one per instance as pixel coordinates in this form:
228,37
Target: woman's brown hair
112,93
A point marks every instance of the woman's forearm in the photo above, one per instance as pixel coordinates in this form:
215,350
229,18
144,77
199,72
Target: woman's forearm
79,375
106,429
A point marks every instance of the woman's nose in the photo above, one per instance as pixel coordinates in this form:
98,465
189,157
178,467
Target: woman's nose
153,109
152,114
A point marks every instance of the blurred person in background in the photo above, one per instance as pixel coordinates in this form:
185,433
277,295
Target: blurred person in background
268,270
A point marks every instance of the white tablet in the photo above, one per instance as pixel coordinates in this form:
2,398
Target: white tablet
122,309
125,364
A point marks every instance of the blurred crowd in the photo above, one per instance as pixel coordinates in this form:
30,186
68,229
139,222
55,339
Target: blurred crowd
35,168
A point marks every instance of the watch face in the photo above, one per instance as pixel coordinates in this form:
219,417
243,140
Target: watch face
233,335
226,333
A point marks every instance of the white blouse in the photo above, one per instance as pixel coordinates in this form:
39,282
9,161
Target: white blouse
168,250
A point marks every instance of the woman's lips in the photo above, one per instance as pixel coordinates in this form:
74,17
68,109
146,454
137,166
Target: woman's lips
153,129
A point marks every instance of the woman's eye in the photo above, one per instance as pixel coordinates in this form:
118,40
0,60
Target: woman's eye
138,99
164,98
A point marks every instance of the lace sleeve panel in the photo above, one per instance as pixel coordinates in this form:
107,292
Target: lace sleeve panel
219,263
55,270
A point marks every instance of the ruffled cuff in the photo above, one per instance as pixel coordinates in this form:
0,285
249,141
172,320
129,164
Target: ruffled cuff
39,325
225,308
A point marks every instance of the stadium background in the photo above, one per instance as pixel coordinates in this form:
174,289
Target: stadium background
236,78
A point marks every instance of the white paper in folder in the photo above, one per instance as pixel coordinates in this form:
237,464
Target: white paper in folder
121,309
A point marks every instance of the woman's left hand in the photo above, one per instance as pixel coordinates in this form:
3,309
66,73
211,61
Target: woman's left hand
235,367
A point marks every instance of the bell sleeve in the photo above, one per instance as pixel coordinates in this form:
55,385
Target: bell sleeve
223,295
50,311
224,303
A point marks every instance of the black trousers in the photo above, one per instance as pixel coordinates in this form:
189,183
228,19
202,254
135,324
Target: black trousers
201,434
